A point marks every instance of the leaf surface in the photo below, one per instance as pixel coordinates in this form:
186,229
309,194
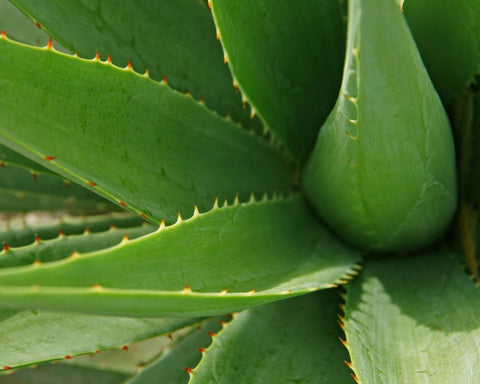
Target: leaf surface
291,341
34,337
223,260
448,38
287,60
414,320
175,39
127,137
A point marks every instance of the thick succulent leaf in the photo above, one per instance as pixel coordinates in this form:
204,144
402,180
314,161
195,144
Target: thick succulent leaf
134,140
171,367
292,341
61,374
383,172
227,259
23,230
287,61
448,37
22,190
19,26
63,246
413,320
33,337
175,39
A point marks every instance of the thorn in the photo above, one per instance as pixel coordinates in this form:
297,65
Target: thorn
162,225
187,92
87,231
236,201
3,34
187,289
6,368
109,59
92,184
97,351
96,287
215,203
68,183
2,164
147,73
195,211
211,334
209,4
349,365
164,79
125,348
124,238
202,350
143,216
202,99
170,336
50,158
50,43
218,36
35,177
252,113
75,54
179,218
343,342
355,378
129,65
38,25
252,198
37,238
189,370
73,255
225,60
235,85
6,247
36,263
251,292
223,292
61,233
122,203
97,56
67,357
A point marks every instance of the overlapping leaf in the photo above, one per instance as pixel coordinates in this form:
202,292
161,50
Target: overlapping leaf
227,259
134,140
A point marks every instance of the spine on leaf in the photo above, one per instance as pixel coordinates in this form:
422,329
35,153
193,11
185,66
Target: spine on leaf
382,173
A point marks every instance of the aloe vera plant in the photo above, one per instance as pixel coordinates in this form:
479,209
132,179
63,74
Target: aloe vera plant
260,191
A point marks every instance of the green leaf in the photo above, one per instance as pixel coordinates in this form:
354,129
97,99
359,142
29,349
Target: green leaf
227,259
172,38
170,367
383,173
61,374
22,230
23,190
292,341
129,138
34,337
448,37
9,157
413,320
63,246
287,61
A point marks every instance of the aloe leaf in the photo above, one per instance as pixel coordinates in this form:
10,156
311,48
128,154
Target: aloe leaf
52,336
132,136
383,170
61,374
263,44
227,259
448,37
23,190
173,39
304,324
9,157
413,320
63,246
172,367
22,230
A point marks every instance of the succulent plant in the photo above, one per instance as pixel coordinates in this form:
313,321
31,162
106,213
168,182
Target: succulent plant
258,191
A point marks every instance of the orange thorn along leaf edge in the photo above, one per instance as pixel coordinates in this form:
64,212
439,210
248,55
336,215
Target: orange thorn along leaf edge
38,25
50,43
50,158
189,370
